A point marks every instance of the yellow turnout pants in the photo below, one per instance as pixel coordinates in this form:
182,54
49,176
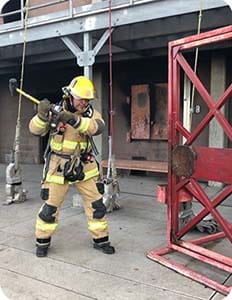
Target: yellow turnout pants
47,218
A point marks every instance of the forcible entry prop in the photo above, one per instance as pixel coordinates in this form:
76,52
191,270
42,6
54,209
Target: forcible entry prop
210,164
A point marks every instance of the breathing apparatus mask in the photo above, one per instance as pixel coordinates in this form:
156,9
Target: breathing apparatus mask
73,170
68,100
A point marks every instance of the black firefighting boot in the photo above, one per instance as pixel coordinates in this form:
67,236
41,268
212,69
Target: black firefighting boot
41,251
104,247
42,246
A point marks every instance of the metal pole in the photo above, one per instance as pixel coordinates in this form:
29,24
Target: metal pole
88,70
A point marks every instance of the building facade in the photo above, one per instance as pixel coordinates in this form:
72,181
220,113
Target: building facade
69,38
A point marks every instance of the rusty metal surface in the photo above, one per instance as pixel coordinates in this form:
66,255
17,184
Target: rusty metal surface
183,161
140,112
159,112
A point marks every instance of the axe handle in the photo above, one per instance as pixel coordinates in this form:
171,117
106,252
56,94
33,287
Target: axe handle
33,99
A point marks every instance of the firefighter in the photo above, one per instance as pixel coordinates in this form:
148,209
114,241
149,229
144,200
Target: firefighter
69,160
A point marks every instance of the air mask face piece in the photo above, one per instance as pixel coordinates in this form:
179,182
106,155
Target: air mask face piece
70,106
73,171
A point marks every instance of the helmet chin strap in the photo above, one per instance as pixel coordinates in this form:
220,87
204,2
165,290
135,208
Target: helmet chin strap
72,109
70,105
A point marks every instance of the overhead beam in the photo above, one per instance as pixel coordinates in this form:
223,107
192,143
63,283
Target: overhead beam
86,58
174,24
123,35
73,47
121,15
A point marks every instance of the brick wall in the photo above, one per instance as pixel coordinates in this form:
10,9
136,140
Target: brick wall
54,7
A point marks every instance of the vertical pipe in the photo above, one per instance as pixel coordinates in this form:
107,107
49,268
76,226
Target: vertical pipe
88,70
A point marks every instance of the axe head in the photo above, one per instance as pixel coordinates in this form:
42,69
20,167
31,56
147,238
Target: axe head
13,86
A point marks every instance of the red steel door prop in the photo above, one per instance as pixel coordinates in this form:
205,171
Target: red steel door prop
210,164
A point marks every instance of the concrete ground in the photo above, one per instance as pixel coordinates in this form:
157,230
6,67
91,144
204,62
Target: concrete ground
74,270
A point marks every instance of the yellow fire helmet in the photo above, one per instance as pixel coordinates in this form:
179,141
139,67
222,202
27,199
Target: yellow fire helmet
80,87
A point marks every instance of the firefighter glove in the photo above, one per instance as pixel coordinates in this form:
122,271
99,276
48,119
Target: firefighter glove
43,109
70,118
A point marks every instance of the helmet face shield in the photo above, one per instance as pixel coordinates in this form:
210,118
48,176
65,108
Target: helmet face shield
80,88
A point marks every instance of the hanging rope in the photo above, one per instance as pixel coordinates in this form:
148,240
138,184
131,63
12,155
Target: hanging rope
111,113
111,185
111,74
16,147
196,62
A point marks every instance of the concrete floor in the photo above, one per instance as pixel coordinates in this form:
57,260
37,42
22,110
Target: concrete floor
74,270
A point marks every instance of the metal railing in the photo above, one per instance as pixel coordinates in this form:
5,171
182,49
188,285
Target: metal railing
71,11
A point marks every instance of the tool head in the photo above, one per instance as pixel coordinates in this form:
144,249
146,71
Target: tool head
13,86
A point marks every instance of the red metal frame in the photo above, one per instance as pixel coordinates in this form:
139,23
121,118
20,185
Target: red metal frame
211,164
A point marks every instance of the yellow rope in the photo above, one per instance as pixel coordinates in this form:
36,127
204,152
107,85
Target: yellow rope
196,61
18,124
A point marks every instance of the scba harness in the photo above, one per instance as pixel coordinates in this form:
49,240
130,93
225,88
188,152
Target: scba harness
73,170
